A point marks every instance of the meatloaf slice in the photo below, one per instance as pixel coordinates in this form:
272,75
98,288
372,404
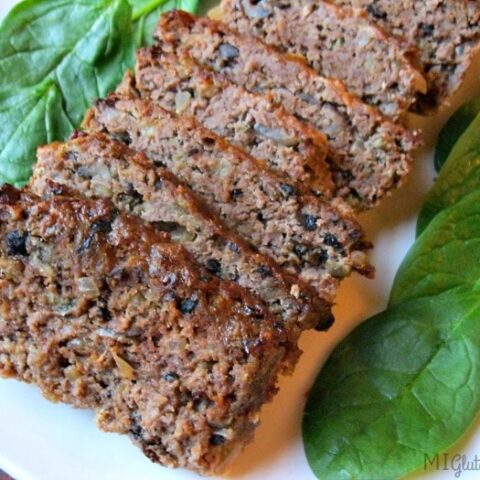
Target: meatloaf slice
250,121
369,154
337,43
447,33
96,166
301,233
177,359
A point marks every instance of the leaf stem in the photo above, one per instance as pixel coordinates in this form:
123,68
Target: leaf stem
150,6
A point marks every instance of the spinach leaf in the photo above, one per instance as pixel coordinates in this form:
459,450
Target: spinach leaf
445,256
59,55
78,45
459,176
403,385
56,56
29,117
454,129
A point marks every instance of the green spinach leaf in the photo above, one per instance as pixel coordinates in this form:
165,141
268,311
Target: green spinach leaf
30,116
77,49
454,129
56,56
403,385
445,256
78,45
459,176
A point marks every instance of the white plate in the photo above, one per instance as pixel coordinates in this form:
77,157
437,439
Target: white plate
42,441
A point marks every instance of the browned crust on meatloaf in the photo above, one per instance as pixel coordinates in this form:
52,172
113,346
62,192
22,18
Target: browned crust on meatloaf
337,43
96,166
178,360
447,34
252,122
369,154
320,242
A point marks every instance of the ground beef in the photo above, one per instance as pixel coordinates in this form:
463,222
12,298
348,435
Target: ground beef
337,43
289,225
95,166
368,154
446,32
250,121
162,351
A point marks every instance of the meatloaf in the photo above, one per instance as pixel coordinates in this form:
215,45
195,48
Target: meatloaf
163,352
250,121
95,166
320,242
337,43
446,32
369,154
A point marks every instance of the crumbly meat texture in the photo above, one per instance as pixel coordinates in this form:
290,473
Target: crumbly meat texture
369,154
95,166
337,43
446,32
252,122
320,242
179,361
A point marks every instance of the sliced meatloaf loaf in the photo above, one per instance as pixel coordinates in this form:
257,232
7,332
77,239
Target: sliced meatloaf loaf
337,43
176,359
250,121
96,166
369,154
301,233
446,32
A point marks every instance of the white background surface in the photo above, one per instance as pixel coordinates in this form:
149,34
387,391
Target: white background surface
42,441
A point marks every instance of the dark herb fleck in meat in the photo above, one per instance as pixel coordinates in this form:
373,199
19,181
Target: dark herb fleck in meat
254,312
123,137
376,12
427,29
188,305
132,199
300,250
309,222
325,324
100,226
170,377
261,218
288,190
214,266
265,271
235,193
105,313
136,431
332,241
216,440
318,258
16,243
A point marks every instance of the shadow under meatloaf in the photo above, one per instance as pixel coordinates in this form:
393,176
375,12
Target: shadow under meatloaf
337,43
252,122
369,154
178,360
320,242
96,166
447,34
